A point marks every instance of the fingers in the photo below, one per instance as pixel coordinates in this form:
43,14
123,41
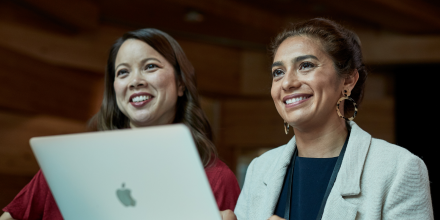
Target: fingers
228,215
275,217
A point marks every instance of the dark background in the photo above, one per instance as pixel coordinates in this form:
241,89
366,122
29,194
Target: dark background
417,118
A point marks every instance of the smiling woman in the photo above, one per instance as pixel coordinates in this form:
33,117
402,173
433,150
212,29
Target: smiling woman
145,85
150,67
331,168
149,81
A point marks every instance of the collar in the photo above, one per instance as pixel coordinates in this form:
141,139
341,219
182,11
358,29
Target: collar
274,178
281,163
349,176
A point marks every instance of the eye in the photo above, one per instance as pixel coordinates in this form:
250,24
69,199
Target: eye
277,73
122,72
306,65
150,66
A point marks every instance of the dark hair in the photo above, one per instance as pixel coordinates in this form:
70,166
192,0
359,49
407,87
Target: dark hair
188,110
342,45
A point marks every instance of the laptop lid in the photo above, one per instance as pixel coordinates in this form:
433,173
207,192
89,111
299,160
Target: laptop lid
147,173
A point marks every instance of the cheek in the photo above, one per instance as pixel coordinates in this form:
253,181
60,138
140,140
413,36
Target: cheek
318,83
119,93
117,86
275,91
276,96
166,83
328,94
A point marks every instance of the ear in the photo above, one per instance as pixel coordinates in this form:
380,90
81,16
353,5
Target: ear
180,88
350,81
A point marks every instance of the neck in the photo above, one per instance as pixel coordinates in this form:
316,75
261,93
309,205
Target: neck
323,141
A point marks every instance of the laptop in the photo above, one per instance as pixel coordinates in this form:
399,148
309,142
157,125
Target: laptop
147,173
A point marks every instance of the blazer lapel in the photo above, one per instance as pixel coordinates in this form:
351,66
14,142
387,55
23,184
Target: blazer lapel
274,178
337,208
349,177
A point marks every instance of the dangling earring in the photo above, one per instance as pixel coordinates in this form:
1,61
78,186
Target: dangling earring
286,127
350,99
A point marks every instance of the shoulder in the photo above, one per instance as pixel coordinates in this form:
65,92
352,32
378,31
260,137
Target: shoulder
31,201
39,177
219,173
217,167
403,177
394,169
392,155
388,149
381,155
224,185
37,185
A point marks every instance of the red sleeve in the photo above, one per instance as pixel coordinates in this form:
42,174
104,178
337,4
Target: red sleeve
34,201
224,185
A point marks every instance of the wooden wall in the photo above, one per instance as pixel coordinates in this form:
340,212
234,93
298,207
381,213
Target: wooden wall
51,82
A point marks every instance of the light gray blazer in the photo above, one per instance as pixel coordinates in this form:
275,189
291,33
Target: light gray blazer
377,180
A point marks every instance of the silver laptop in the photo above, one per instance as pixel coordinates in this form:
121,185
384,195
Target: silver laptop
148,173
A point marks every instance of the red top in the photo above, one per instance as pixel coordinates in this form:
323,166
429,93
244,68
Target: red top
35,201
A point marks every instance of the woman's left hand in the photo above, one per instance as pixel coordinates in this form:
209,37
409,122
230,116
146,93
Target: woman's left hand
228,215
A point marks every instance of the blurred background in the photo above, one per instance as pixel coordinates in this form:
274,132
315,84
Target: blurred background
53,55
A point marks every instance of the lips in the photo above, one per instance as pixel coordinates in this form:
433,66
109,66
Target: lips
296,98
140,99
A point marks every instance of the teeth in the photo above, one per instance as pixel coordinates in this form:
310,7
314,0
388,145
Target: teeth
141,98
290,101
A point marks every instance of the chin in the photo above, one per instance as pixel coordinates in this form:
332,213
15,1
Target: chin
297,120
141,121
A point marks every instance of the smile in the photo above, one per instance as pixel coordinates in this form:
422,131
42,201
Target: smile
289,101
140,98
296,99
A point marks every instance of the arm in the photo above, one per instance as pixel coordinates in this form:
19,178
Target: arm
409,195
6,216
226,215
34,201
227,191
224,186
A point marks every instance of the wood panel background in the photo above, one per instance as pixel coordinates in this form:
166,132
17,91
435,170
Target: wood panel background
51,80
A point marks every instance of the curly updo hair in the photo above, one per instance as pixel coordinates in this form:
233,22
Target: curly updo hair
342,45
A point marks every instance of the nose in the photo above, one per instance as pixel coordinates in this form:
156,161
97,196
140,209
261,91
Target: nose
290,81
137,80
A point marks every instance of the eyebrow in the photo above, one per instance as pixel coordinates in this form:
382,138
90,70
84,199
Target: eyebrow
277,63
301,58
143,61
295,60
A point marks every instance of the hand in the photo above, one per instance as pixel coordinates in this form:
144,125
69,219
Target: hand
228,215
6,216
275,217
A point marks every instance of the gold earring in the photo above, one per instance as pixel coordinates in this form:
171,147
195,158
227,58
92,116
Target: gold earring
286,127
354,104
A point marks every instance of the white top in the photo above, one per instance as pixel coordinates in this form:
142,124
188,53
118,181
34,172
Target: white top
377,180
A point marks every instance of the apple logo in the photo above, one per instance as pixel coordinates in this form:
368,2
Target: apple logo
125,197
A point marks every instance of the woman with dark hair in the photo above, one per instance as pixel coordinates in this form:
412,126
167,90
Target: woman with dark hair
331,168
149,81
